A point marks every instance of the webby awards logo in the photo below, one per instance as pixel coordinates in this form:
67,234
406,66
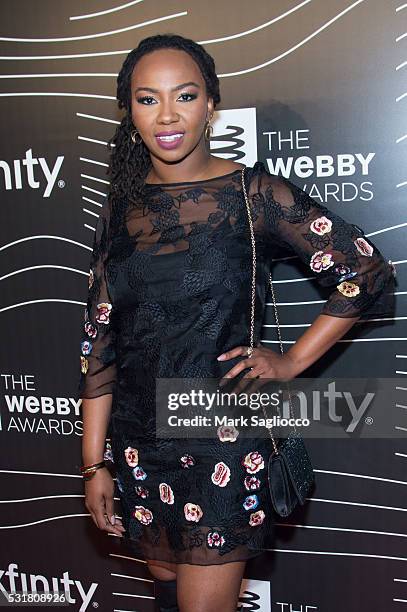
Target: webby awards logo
24,409
235,135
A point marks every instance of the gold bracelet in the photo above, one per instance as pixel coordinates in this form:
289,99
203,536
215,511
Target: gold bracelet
88,471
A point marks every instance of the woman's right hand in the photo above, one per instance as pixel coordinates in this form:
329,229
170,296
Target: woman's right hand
99,494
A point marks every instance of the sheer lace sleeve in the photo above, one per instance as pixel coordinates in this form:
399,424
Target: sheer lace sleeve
336,252
98,357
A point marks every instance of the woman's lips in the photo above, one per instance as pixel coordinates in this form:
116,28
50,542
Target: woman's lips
170,141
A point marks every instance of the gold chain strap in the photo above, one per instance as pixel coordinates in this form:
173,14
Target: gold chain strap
253,298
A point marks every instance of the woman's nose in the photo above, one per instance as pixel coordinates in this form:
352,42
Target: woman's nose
167,113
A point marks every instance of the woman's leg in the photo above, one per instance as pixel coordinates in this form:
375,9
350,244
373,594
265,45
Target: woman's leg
165,585
162,570
209,588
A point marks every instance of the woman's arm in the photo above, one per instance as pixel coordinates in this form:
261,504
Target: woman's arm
98,379
324,332
336,253
96,416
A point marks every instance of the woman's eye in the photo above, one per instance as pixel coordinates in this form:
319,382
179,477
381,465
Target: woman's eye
144,99
190,95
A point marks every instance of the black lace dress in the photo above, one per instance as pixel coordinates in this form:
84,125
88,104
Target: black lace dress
169,291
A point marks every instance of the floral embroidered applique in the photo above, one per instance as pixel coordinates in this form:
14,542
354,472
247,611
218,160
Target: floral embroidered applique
321,226
341,269
103,315
221,474
344,272
253,462
363,246
139,473
166,493
192,512
144,515
321,261
131,455
84,364
108,453
347,276
214,538
86,347
256,518
187,461
90,330
142,491
119,484
349,289
393,267
251,502
251,483
227,433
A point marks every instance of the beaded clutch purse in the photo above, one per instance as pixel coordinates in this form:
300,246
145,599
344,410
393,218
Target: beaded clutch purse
290,473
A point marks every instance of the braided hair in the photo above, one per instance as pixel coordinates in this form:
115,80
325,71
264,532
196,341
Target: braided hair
129,162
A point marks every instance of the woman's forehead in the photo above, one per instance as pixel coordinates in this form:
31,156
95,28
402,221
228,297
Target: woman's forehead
165,66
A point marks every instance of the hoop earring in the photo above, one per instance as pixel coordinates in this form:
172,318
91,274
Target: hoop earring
133,135
208,131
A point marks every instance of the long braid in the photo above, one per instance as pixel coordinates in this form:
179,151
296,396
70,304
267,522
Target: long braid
129,162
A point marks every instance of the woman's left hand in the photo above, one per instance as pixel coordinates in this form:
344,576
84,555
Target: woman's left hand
264,363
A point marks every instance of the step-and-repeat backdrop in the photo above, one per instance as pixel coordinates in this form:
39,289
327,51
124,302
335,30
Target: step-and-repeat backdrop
316,89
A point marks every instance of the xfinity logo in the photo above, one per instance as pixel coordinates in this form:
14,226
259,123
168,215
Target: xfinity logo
35,171
11,580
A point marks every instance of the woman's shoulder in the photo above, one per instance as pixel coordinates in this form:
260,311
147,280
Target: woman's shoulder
269,185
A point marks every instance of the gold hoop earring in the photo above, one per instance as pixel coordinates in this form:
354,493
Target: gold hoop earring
133,135
208,131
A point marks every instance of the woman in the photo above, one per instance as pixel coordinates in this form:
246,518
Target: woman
169,297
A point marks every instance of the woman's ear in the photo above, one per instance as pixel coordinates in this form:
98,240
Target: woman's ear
211,109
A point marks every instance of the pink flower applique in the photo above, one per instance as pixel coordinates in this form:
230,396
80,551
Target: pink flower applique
86,347
144,515
227,433
349,289
131,455
192,512
187,461
84,364
253,462
363,247
90,330
251,502
91,278
251,483
321,226
103,315
256,518
221,474
142,491
214,538
166,493
321,261
139,473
